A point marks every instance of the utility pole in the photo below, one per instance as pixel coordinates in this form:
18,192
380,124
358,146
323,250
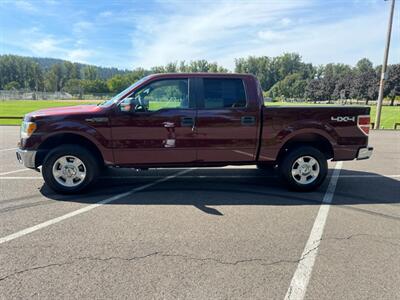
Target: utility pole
384,68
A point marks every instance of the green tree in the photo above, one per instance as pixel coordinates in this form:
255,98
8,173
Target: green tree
12,85
117,83
171,67
392,84
292,86
314,91
365,82
22,70
260,67
74,87
96,86
90,73
364,65
157,69
71,70
55,78
269,71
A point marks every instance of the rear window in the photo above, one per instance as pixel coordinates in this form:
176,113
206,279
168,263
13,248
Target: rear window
224,93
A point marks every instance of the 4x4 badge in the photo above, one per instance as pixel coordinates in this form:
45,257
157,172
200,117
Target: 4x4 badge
343,119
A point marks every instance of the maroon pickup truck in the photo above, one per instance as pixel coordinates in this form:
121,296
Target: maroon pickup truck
191,120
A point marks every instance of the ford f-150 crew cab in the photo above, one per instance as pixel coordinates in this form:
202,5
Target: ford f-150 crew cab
191,120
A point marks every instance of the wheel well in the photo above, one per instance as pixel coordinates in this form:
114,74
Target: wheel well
67,138
308,139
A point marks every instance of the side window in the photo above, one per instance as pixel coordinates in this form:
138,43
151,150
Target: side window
224,93
165,93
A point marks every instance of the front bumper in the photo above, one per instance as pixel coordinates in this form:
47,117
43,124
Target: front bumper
365,153
27,158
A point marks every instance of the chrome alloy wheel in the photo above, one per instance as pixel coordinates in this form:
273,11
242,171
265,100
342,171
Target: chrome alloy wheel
69,171
305,170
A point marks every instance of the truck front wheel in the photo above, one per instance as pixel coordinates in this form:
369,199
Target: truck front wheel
69,169
304,168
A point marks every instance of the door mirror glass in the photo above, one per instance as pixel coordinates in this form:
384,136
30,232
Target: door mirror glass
126,105
131,105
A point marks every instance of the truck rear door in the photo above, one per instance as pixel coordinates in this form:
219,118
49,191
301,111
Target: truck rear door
227,121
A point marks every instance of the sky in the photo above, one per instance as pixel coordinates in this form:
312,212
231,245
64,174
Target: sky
128,34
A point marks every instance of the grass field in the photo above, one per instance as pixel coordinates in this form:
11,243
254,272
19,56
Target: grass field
18,108
390,114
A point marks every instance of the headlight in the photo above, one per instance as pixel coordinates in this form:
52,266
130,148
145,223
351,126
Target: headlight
27,128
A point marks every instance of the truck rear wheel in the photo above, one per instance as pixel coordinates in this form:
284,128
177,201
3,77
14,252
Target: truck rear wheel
304,168
70,169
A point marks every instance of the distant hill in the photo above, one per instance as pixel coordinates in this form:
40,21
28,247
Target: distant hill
104,72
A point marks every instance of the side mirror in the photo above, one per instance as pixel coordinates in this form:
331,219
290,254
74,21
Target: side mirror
127,105
131,105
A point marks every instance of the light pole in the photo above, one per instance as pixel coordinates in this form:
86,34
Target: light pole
384,69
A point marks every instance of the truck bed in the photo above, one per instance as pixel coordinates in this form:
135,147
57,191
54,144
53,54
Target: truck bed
336,124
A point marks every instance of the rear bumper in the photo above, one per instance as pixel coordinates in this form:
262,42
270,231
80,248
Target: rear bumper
27,158
365,153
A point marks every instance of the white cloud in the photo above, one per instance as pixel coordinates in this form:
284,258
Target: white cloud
48,46
344,41
82,26
193,31
222,31
188,30
25,5
105,14
29,31
45,46
270,35
51,2
286,21
79,55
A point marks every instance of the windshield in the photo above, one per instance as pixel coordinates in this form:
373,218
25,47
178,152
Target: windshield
118,96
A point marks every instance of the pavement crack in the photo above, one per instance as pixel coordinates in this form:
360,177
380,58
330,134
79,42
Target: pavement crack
118,257
386,240
304,256
33,269
261,261
186,257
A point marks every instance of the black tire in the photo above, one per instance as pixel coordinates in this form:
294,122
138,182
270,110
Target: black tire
90,163
288,162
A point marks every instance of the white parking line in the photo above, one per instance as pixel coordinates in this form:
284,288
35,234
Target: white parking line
20,177
15,171
9,149
86,209
368,176
301,277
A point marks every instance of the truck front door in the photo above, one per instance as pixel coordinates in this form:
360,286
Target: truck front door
155,125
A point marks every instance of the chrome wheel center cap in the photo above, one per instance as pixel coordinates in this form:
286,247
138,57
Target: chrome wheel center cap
305,169
69,171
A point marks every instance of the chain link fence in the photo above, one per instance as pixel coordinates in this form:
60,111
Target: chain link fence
386,102
33,95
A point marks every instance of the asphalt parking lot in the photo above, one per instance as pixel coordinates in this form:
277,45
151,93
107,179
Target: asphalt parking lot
230,233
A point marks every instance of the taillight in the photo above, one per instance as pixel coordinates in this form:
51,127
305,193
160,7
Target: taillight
364,123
